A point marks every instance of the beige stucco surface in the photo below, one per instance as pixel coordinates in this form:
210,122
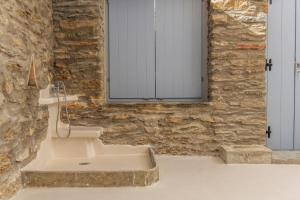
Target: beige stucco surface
193,178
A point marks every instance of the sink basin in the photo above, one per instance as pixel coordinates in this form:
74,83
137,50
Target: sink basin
78,162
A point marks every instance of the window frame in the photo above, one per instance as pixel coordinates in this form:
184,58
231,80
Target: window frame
204,71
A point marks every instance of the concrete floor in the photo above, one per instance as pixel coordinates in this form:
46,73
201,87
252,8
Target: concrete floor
193,178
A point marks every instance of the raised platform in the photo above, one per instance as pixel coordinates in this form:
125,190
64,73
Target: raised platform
245,154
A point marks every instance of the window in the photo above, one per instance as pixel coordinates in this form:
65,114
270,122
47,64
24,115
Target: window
155,49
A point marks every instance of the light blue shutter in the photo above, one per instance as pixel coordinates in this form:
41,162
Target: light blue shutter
178,48
297,80
281,49
131,49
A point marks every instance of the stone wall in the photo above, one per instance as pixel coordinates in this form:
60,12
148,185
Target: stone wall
26,42
234,114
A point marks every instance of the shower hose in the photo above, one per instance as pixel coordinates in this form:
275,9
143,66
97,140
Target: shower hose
58,86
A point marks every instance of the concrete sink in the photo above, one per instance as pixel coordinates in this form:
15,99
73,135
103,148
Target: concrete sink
79,162
82,160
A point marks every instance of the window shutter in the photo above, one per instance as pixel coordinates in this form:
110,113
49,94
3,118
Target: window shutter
178,48
131,49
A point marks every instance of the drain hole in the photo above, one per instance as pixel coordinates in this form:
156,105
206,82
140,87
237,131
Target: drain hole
84,163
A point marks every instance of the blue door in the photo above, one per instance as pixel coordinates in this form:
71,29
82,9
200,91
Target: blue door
282,127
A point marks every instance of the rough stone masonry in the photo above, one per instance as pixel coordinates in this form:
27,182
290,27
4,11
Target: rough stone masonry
234,114
26,41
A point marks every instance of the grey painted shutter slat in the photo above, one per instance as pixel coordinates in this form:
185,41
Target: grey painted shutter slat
131,49
281,49
178,48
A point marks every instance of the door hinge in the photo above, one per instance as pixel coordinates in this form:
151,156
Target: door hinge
268,132
269,64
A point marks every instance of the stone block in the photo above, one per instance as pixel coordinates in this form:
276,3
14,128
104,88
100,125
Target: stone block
286,157
245,154
5,163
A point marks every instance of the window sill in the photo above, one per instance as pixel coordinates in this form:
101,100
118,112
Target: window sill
158,102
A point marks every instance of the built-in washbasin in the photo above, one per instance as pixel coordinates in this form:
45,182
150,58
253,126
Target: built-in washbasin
61,162
82,160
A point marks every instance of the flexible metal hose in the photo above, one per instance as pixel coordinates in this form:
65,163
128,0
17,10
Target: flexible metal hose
57,91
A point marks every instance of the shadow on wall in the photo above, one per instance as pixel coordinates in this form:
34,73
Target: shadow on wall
235,113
